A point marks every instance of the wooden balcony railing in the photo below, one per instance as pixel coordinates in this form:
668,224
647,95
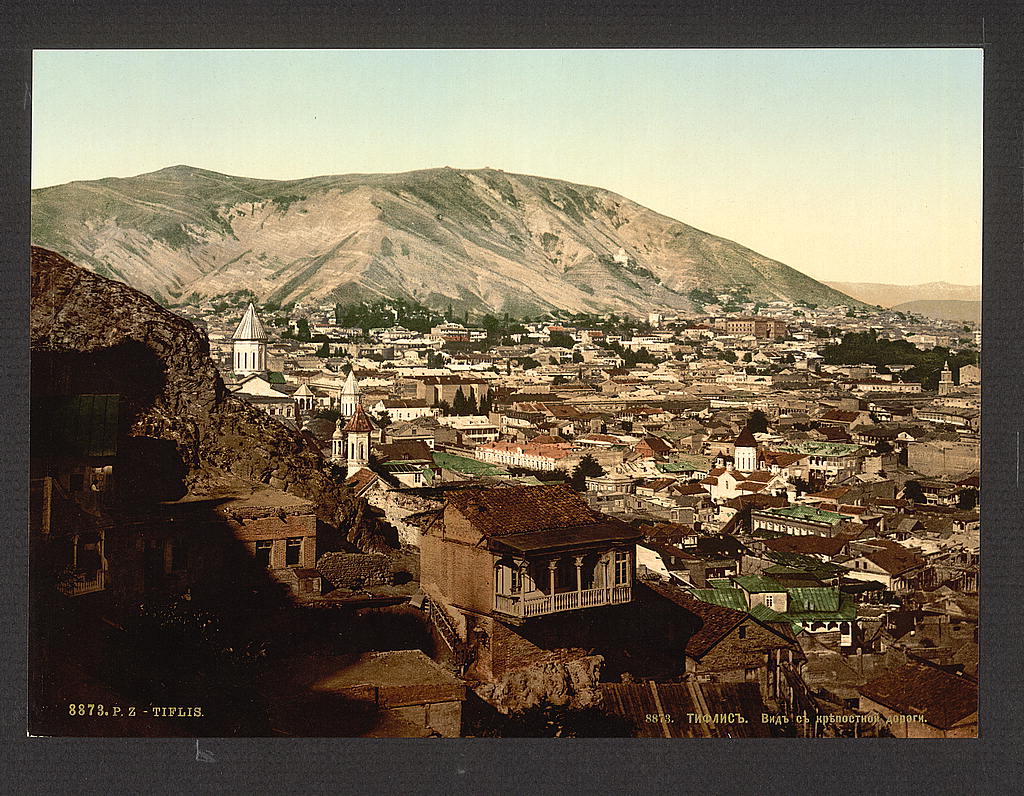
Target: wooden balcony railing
526,607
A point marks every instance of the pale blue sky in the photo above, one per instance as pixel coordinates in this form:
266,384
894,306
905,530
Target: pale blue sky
858,165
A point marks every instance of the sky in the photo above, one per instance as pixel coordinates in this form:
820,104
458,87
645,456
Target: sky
848,165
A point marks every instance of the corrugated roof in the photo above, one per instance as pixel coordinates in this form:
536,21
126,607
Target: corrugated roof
810,598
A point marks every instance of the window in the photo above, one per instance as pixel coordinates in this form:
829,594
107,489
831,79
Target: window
621,568
742,632
293,552
769,600
263,553
517,580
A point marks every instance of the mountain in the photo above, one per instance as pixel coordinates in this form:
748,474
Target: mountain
944,310
891,295
477,240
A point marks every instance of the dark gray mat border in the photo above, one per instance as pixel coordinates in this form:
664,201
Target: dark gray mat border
990,764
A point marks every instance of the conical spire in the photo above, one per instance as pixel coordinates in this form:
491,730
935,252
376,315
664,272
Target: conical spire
351,386
250,327
359,421
746,438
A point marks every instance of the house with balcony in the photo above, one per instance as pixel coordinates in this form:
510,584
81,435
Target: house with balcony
519,566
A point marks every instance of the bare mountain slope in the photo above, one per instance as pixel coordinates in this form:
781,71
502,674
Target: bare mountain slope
480,240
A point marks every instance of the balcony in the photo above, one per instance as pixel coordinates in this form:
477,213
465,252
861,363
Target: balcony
522,607
85,583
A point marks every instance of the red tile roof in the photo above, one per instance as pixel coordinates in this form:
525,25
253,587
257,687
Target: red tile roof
805,545
917,688
502,511
713,622
360,421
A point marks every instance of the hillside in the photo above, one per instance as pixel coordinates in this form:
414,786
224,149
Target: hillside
478,240
891,295
944,310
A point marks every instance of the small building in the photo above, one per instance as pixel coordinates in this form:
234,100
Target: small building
394,694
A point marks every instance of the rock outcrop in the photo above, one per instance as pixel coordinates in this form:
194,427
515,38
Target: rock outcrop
172,391
569,682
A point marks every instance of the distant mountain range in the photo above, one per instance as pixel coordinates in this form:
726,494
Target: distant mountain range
475,240
892,295
951,310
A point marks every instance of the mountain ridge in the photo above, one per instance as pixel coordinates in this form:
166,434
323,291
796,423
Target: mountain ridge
887,295
477,240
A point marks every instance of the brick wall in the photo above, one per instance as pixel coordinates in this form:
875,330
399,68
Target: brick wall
352,570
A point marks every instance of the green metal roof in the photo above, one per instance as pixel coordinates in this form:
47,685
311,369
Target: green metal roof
811,447
685,464
465,465
797,562
806,513
847,610
729,598
758,584
804,599
766,614
75,425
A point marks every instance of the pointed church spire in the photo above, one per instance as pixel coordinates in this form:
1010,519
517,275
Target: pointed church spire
250,327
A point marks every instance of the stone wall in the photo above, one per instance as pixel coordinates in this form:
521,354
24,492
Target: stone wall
355,570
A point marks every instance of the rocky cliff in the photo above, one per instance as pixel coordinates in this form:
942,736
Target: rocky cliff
92,331
478,240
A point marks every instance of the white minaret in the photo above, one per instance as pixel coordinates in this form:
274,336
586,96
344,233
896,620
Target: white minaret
250,344
946,380
349,399
338,444
357,436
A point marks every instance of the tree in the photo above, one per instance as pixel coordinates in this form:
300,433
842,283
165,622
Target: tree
729,356
560,339
577,357
303,330
471,405
324,350
459,402
588,467
968,500
912,491
748,357
384,419
758,422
